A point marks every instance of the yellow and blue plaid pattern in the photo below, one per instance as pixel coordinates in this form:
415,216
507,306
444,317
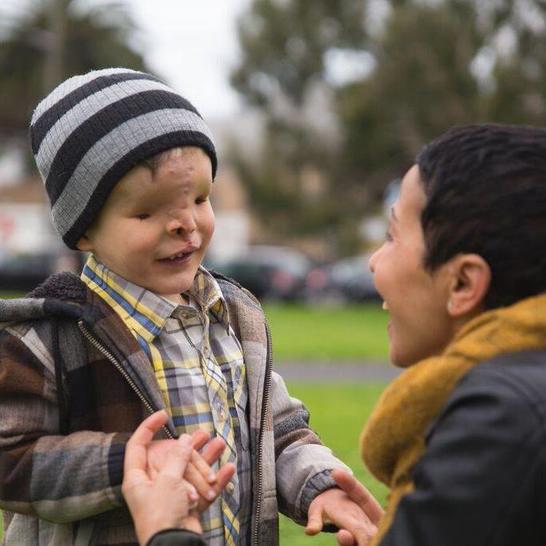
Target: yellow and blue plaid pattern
199,367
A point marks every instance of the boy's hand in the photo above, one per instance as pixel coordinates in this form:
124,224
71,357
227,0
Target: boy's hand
361,496
198,471
351,508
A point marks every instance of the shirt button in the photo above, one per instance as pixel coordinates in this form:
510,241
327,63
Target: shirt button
230,488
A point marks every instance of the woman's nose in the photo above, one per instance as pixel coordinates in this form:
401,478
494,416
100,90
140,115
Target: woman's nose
373,260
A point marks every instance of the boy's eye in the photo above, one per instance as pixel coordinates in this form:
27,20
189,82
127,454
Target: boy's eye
388,236
143,216
201,199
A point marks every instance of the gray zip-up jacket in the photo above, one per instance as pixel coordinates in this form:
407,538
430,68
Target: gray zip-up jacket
74,385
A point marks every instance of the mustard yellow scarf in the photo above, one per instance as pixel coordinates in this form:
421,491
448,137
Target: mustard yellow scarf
393,440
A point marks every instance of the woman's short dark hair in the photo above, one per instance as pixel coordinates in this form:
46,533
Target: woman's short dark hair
486,194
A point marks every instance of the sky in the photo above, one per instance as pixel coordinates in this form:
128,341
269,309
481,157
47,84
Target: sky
193,45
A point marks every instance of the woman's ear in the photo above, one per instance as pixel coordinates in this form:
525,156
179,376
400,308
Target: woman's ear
469,284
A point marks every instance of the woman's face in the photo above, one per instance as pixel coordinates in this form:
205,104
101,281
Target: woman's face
420,325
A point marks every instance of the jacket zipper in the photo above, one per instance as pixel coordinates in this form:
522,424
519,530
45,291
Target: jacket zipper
265,403
121,370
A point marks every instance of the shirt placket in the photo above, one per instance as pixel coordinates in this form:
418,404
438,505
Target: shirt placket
217,390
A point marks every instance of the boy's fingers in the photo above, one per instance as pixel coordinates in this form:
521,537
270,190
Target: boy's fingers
177,459
135,453
214,449
199,438
314,522
361,535
225,474
196,478
344,538
201,465
359,494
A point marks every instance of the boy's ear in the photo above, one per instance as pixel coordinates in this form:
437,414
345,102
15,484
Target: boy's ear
469,284
85,244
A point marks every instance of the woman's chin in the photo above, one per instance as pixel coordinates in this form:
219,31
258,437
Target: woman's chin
399,358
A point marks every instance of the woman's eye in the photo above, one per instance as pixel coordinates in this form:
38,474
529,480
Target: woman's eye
201,200
143,216
388,236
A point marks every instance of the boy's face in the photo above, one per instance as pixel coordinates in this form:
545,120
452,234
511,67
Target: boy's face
155,227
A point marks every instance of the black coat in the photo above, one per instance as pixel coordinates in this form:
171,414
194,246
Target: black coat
482,479
176,537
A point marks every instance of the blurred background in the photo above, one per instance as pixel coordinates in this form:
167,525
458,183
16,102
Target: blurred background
318,107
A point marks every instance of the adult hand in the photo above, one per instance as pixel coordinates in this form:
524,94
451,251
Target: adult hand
198,470
166,500
163,498
363,498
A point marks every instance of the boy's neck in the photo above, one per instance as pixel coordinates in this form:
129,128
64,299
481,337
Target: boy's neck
181,299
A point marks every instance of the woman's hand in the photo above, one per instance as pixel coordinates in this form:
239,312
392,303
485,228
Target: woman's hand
162,498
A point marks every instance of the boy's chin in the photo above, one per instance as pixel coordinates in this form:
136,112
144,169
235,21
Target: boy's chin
176,294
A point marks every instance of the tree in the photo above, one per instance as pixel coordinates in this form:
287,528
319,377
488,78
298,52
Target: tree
435,64
91,39
283,73
428,78
284,43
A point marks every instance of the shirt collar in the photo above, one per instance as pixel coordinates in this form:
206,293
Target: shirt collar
208,295
143,311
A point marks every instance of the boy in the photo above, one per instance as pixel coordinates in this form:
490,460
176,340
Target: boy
128,165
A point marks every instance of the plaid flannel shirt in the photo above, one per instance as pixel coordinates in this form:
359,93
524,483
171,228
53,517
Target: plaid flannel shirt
199,367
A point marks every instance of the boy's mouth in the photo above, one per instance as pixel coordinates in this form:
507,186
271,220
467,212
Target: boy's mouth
179,257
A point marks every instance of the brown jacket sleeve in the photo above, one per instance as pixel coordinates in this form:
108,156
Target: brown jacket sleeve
58,478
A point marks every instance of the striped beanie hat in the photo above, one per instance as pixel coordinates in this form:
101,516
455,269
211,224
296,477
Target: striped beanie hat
93,128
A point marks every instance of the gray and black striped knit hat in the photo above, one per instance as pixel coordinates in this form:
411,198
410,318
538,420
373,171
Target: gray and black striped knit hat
92,129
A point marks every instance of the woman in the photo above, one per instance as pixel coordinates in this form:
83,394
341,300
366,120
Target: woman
460,436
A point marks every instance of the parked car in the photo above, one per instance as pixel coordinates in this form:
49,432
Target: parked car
269,272
347,280
23,272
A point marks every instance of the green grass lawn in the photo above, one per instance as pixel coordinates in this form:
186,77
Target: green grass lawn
338,413
6,295
328,333
323,333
